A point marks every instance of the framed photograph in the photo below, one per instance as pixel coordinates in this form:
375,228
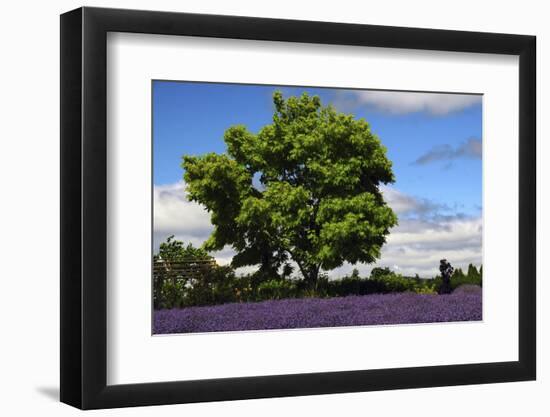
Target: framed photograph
258,208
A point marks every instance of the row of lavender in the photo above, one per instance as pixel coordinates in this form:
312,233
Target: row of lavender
462,305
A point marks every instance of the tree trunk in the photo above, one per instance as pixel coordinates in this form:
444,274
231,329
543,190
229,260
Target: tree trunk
312,276
445,285
310,273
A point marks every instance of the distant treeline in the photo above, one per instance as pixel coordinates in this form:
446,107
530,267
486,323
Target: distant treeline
202,282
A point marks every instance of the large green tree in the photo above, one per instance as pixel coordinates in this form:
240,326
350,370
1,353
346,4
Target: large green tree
305,188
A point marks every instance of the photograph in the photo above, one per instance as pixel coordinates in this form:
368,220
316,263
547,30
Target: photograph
294,207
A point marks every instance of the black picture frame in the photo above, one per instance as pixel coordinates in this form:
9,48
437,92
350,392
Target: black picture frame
84,207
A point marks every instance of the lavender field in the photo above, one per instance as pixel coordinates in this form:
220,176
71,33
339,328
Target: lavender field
376,309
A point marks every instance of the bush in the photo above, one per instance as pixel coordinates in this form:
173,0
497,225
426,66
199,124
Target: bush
381,281
169,295
425,289
276,290
465,280
213,286
210,285
394,283
459,278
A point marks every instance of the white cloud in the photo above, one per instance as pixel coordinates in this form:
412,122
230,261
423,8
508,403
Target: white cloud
419,252
173,214
422,238
401,102
188,221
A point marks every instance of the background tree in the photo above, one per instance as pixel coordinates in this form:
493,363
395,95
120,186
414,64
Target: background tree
304,188
473,272
175,251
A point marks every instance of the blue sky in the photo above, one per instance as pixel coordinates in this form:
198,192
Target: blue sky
190,118
434,140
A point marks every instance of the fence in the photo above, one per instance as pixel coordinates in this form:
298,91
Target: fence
182,268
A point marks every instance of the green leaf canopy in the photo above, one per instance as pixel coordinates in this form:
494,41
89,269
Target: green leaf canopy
304,188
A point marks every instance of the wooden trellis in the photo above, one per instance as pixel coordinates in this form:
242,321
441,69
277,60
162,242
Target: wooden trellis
183,268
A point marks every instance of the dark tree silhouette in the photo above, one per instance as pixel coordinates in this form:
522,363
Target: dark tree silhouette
446,272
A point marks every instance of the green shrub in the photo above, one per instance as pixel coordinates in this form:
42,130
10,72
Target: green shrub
170,295
276,290
213,286
472,277
425,289
394,283
463,280
382,280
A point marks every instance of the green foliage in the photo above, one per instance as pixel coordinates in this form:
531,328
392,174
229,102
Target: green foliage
425,289
168,283
220,284
378,272
276,290
174,250
319,203
169,295
394,283
472,277
472,271
381,280
213,286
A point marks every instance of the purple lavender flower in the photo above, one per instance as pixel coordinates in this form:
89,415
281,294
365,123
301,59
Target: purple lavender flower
376,309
